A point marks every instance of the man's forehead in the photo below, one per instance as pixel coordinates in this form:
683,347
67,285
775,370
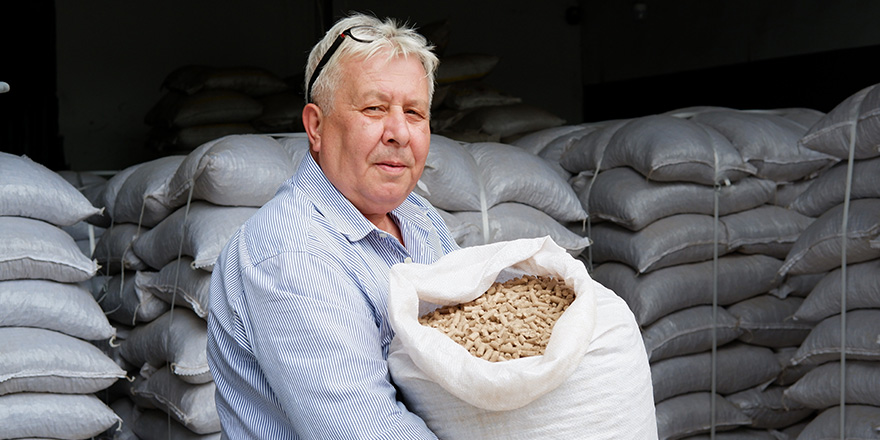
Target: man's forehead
381,77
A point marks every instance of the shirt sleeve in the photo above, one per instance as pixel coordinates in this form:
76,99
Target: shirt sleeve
316,337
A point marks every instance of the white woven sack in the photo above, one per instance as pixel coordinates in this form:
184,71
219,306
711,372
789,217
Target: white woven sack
125,304
677,239
862,287
281,112
689,331
820,387
250,80
669,149
178,337
29,189
767,229
739,433
465,66
860,422
829,188
592,382
585,154
34,249
199,231
738,367
451,179
768,407
766,321
190,404
819,249
113,249
501,121
45,361
787,192
536,141
832,133
295,144
143,196
154,424
645,201
690,414
48,415
658,293
179,284
512,221
797,285
513,175
790,373
81,179
803,116
205,107
235,170
768,142
477,176
557,148
129,413
64,307
823,344
465,233
474,94
107,194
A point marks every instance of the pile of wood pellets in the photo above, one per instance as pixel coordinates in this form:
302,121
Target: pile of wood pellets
511,320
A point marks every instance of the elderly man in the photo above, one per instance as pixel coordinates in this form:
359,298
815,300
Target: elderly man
298,331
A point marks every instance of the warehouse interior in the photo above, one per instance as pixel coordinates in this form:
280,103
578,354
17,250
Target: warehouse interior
705,172
83,75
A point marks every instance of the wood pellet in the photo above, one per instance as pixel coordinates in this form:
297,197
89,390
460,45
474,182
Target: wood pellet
511,320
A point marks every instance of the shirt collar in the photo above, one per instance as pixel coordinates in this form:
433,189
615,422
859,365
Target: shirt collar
341,212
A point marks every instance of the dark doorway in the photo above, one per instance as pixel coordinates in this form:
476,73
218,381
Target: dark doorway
29,110
818,81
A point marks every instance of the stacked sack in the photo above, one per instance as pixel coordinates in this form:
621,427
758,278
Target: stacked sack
87,232
686,227
843,198
203,103
170,219
489,192
53,334
467,107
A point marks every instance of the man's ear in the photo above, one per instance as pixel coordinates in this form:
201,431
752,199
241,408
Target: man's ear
312,117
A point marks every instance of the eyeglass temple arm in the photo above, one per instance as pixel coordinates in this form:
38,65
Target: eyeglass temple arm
321,64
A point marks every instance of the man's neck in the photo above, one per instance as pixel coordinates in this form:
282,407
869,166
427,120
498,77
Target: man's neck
387,224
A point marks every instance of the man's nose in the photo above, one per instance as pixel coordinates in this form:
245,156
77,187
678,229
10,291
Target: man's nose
396,127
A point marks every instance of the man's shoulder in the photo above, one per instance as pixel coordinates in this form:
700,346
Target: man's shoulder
281,225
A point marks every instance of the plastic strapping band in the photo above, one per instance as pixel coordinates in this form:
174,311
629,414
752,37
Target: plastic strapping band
180,247
484,208
92,241
589,220
857,109
714,357
714,372
179,253
128,248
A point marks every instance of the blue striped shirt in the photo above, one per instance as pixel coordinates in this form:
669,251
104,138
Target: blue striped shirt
298,330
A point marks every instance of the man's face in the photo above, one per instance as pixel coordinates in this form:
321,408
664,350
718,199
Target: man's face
373,144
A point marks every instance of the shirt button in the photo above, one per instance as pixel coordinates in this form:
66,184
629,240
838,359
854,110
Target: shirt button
407,260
